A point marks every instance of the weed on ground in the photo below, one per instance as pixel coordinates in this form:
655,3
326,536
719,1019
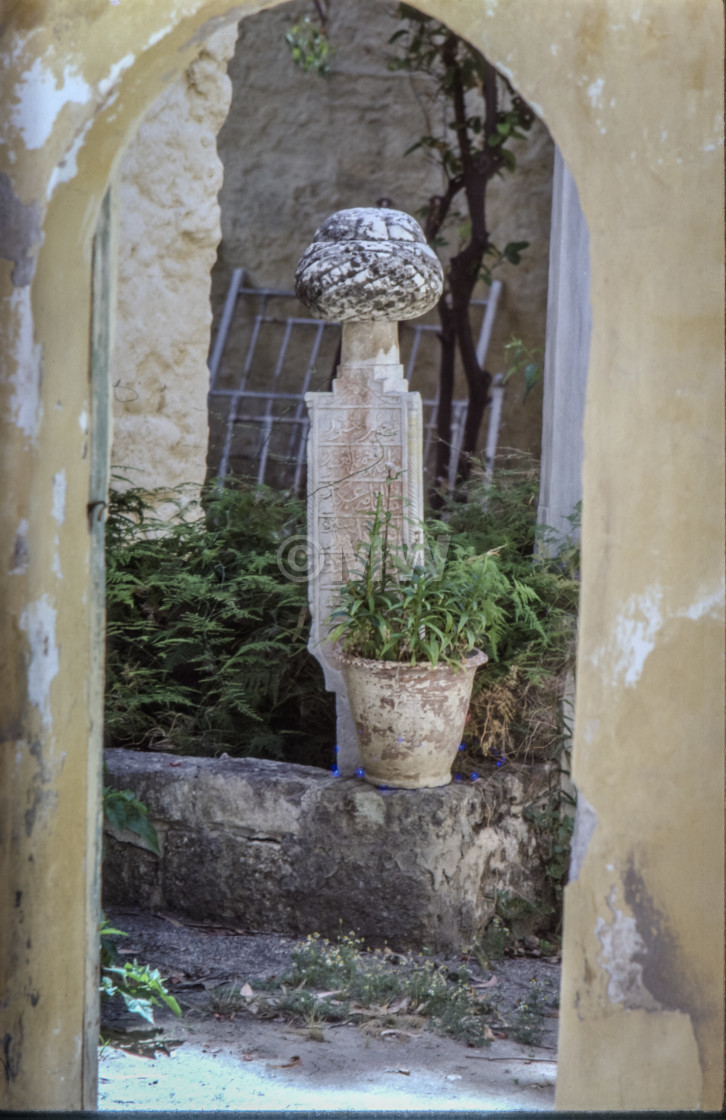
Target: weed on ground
340,981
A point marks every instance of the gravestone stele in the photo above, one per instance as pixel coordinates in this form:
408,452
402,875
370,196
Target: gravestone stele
366,269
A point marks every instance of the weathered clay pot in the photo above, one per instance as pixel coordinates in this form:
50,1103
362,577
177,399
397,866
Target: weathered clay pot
409,718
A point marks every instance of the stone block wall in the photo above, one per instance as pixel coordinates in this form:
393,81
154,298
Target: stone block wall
169,228
274,847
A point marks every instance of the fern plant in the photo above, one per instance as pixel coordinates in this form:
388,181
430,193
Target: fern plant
206,639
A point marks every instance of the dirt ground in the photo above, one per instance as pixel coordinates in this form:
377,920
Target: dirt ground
215,1059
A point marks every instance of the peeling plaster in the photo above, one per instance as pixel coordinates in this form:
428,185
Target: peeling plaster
594,92
158,36
59,497
710,603
21,232
107,84
56,564
68,167
26,409
38,622
41,100
585,825
623,658
21,553
663,965
633,639
622,945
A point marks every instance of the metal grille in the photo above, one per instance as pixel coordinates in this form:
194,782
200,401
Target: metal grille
265,359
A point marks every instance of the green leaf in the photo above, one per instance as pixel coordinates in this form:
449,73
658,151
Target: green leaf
138,1005
509,161
124,812
512,251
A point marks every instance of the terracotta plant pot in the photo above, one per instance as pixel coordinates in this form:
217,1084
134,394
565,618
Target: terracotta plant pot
409,718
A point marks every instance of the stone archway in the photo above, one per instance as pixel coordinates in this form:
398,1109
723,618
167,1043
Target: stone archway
632,98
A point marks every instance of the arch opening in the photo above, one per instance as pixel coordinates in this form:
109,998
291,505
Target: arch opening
644,598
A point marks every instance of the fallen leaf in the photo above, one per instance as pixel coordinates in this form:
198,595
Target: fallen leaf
489,1034
247,992
172,921
490,983
294,1061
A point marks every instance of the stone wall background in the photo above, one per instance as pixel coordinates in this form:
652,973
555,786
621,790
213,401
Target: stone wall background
296,147
169,228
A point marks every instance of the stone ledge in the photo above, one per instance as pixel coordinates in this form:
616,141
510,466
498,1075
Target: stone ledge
276,847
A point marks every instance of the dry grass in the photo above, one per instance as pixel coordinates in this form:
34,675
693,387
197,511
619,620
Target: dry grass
516,718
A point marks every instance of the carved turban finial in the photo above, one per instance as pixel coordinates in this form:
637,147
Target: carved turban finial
368,264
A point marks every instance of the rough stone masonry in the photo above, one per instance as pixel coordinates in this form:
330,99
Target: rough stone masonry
278,847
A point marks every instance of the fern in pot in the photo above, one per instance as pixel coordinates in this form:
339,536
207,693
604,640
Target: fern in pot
409,627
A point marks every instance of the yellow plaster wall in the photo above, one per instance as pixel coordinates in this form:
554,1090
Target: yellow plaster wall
631,92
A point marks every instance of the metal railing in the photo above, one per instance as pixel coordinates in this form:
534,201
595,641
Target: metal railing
274,419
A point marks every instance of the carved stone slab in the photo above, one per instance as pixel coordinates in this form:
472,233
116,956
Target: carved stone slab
366,268
365,439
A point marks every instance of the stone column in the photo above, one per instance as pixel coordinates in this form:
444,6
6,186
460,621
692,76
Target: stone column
569,324
169,219
367,269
